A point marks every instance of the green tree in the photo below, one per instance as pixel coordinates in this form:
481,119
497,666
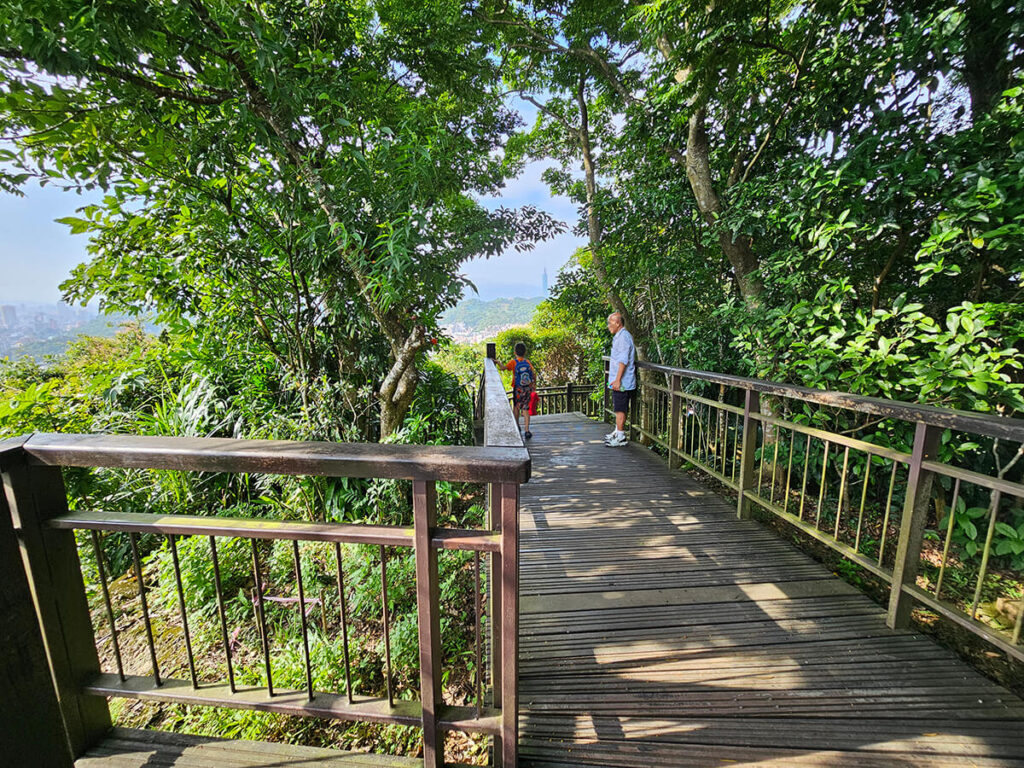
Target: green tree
297,174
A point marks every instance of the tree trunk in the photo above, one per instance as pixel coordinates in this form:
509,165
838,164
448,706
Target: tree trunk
987,64
739,250
595,232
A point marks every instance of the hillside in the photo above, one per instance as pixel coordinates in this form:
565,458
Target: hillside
473,320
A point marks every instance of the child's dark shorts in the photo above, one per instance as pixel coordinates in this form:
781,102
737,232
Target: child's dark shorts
521,397
622,399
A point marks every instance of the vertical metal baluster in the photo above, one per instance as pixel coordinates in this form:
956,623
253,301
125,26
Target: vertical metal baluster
803,486
145,606
684,412
888,509
775,466
98,551
1016,627
183,610
759,428
479,602
709,457
720,438
863,500
725,442
789,469
842,492
736,447
302,614
949,536
344,623
223,614
994,505
821,489
387,637
261,616
697,432
694,431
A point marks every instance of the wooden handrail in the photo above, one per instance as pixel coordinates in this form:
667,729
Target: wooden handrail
500,428
35,501
747,449
946,418
283,457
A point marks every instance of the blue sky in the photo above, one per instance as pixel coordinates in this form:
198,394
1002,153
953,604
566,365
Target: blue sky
37,254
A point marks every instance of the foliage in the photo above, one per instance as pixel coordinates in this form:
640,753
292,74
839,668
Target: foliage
553,348
290,181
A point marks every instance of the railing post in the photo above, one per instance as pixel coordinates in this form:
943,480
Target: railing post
509,624
673,421
635,407
751,405
915,512
495,586
31,727
36,495
568,398
607,392
492,350
424,509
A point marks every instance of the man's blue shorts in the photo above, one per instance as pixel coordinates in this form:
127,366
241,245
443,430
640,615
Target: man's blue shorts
621,400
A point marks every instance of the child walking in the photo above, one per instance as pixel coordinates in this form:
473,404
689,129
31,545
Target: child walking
524,379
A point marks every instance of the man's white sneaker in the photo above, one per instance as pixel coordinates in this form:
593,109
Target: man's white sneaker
616,440
610,435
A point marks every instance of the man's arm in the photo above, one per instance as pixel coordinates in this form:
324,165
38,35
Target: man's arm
617,384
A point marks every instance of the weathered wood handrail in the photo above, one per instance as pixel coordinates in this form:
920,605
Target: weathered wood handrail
35,502
499,430
282,457
945,418
756,453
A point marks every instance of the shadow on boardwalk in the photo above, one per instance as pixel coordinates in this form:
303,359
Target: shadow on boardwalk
659,630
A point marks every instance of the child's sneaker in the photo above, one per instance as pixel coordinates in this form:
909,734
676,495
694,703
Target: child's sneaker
528,434
616,440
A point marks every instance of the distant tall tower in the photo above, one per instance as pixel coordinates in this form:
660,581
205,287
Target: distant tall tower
544,281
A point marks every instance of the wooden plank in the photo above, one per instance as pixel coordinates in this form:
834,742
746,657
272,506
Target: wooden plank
424,504
915,512
499,424
570,601
261,528
31,725
147,749
283,457
34,496
285,702
660,631
510,609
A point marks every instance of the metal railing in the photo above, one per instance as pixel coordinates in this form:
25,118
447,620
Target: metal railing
928,499
34,512
570,398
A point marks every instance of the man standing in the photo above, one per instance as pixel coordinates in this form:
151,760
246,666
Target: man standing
621,377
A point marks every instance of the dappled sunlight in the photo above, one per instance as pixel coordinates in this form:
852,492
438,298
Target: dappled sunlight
655,622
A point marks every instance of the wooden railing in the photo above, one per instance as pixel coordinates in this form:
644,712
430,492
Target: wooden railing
877,499
34,513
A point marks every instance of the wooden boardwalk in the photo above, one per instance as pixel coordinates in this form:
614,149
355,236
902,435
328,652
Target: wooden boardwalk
130,748
658,630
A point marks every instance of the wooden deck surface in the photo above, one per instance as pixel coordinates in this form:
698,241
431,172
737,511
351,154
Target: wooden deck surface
658,630
129,748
